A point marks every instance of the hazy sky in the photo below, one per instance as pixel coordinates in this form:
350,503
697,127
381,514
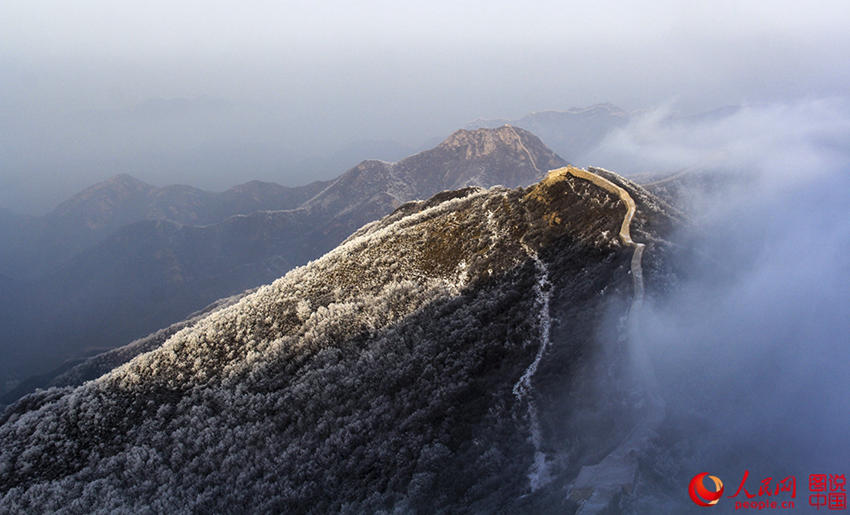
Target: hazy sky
214,93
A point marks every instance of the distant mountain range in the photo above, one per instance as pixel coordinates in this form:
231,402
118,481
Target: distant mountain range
142,257
37,245
360,150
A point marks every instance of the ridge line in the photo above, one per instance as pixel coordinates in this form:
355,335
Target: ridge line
625,227
597,485
523,147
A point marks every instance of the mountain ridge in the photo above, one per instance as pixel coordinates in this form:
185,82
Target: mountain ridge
174,202
384,355
188,266
491,151
39,244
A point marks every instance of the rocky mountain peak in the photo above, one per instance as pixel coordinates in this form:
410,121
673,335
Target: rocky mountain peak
98,204
483,142
121,184
507,155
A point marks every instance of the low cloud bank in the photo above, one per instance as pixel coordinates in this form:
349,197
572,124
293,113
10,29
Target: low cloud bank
751,348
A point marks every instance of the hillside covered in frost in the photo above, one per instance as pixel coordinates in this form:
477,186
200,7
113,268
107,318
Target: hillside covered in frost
439,359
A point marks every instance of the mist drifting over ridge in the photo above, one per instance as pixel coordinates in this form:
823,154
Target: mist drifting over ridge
750,350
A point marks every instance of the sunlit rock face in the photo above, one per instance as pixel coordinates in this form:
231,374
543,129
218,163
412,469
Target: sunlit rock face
449,356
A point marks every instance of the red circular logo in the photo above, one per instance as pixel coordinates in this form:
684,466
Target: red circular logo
701,495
